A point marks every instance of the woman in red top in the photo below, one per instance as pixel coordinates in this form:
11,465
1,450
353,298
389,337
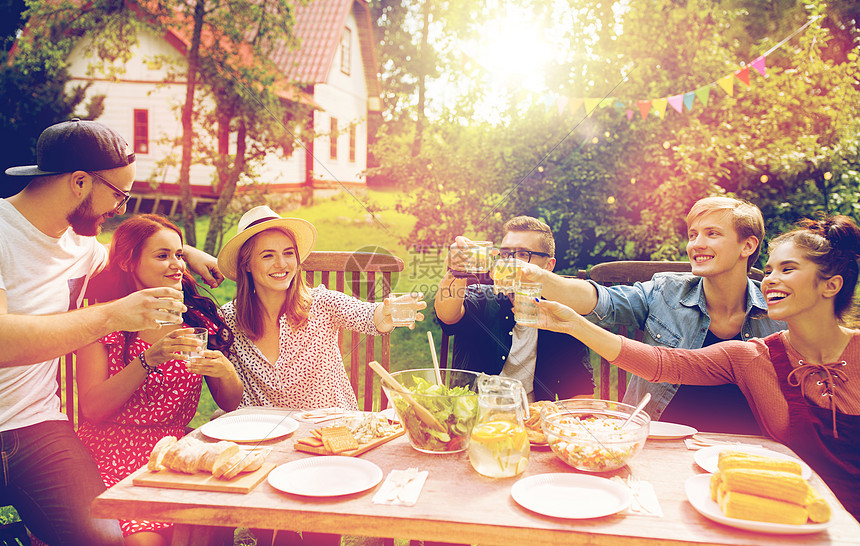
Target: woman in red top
133,388
802,384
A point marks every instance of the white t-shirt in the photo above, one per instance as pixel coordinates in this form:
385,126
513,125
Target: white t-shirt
41,275
523,358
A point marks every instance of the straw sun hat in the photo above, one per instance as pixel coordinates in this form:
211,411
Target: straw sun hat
260,219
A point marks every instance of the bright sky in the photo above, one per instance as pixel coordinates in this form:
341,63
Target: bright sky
513,51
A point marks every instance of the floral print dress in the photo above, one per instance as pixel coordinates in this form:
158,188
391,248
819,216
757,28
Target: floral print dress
162,406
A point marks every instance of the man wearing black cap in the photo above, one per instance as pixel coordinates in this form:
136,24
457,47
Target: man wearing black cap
47,254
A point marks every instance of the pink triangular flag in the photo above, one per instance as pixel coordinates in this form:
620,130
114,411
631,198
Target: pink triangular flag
660,106
744,75
629,115
677,102
727,84
644,107
561,104
758,64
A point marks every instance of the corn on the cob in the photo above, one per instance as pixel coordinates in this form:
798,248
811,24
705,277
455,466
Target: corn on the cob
751,507
774,484
716,480
819,510
740,459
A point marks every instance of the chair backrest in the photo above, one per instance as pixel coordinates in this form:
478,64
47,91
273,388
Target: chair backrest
67,389
367,276
631,271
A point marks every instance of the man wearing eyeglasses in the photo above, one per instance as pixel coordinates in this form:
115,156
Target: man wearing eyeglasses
48,251
488,339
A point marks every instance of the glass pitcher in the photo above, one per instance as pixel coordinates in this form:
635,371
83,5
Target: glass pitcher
499,443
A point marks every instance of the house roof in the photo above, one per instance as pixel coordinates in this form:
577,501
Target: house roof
318,28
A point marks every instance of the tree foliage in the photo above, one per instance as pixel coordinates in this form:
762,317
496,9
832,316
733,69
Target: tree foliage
234,89
618,189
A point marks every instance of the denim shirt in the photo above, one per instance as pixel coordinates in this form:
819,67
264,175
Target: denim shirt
670,309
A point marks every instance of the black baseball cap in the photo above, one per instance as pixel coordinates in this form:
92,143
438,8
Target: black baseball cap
76,145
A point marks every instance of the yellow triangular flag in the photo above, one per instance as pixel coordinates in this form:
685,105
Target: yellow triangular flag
728,84
659,106
591,104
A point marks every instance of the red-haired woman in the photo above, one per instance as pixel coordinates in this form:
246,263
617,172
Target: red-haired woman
133,388
803,384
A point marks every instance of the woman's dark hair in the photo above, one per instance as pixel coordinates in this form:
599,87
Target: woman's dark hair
117,280
833,244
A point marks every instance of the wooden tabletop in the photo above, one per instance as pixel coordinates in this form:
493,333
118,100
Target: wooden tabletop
458,505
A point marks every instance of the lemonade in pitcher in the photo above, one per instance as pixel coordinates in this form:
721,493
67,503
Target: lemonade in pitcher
499,443
499,449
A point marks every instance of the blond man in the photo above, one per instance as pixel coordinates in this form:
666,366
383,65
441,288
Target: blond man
716,302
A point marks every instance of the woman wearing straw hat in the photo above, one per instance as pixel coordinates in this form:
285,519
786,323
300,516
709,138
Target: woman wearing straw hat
285,333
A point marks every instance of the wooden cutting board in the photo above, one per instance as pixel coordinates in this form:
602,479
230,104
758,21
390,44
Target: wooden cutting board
203,481
362,448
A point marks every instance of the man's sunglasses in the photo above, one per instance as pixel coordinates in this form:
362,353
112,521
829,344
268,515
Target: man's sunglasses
125,195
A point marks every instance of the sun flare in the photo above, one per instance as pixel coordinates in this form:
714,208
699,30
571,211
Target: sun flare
512,51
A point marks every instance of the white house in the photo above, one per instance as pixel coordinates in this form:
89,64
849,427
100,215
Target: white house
335,65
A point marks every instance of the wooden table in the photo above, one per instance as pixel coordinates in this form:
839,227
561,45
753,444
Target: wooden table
458,505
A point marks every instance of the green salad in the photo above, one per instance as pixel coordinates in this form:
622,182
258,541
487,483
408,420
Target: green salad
455,408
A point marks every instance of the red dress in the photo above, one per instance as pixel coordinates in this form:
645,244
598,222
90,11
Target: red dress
162,406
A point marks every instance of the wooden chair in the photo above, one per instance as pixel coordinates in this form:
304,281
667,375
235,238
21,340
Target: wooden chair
366,276
14,534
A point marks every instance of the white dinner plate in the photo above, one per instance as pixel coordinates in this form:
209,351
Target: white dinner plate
250,427
327,476
572,496
699,495
708,458
659,430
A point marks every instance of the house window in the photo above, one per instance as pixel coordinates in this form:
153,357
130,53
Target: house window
345,45
352,137
332,138
141,131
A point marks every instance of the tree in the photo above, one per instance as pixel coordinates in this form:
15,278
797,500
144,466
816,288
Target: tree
613,188
238,37
33,93
228,46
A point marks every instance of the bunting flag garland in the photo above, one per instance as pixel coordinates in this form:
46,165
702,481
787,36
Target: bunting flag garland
677,102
